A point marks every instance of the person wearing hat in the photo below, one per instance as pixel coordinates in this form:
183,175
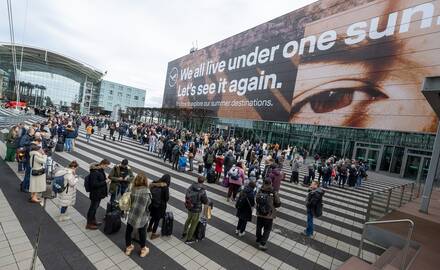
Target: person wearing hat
121,176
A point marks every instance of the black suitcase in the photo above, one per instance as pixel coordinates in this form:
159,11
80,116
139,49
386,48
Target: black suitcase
306,180
112,206
59,147
112,222
210,176
114,138
104,137
167,224
201,229
200,168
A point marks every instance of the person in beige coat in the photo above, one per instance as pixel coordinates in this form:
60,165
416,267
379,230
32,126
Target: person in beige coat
38,173
68,196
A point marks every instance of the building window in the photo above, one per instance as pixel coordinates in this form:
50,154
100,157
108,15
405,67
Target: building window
111,92
128,96
136,98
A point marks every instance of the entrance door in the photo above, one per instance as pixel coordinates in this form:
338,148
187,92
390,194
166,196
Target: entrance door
416,167
369,153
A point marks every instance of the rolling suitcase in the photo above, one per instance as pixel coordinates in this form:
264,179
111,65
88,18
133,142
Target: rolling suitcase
167,224
306,180
104,137
201,229
200,170
210,176
112,222
59,147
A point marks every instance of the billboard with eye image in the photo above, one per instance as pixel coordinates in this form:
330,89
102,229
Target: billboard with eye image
336,63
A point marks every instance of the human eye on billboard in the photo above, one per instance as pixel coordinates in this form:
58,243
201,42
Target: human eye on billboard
336,95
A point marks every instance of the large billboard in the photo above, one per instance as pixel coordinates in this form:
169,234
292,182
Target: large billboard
338,63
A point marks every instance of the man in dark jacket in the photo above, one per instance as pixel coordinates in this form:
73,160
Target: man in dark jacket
160,194
195,198
98,182
25,142
313,203
229,162
267,201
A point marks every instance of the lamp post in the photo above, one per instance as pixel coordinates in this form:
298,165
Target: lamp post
431,91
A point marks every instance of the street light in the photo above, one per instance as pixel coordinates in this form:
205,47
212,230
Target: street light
431,91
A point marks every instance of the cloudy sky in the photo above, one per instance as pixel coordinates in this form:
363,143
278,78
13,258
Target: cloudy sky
133,40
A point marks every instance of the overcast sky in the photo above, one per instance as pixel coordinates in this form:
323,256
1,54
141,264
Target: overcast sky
134,40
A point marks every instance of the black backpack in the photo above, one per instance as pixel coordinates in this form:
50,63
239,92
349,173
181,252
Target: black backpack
87,183
263,205
191,198
318,209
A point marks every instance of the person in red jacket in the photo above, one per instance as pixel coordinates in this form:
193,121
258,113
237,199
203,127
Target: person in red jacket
219,160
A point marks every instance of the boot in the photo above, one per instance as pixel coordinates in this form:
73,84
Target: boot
90,226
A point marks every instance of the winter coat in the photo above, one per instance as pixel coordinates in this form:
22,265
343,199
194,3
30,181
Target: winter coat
229,161
70,133
159,206
240,180
202,197
68,196
140,201
244,211
11,140
115,173
314,198
98,185
219,164
274,203
276,176
37,161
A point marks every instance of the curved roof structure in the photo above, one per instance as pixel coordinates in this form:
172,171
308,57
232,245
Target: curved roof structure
37,59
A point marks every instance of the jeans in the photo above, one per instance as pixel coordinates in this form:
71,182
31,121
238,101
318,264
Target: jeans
342,180
191,164
359,181
241,226
264,226
27,176
154,220
152,147
94,204
68,144
326,181
120,136
21,166
191,225
63,209
88,137
309,228
120,190
142,235
294,177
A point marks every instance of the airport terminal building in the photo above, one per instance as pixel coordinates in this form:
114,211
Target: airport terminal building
47,78
335,77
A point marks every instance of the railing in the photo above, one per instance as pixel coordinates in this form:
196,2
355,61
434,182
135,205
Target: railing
388,239
384,201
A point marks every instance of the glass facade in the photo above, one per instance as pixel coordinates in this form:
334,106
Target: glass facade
112,94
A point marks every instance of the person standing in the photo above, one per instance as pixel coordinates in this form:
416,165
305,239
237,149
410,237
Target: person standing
244,205
267,201
89,132
228,162
236,180
12,141
68,196
276,176
121,131
296,164
138,215
160,195
121,176
98,182
25,143
195,198
191,155
37,182
314,206
68,137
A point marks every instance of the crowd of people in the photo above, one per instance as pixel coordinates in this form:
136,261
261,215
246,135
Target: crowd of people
232,162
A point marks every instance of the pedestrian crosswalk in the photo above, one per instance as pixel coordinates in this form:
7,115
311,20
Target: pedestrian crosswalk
337,236
10,117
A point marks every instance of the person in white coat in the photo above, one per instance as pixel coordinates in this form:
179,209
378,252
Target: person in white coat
38,172
68,196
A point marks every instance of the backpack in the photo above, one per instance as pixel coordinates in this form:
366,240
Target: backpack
317,212
191,198
242,201
210,158
58,184
234,173
263,205
156,196
87,183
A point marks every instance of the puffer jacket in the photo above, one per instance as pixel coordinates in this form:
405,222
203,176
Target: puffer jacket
244,211
273,203
276,176
160,195
313,199
68,196
202,198
98,185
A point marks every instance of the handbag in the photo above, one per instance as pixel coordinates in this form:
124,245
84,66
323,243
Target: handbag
37,172
125,201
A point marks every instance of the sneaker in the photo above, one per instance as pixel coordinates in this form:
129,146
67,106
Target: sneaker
262,247
237,232
129,250
144,252
189,242
241,234
154,236
63,217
